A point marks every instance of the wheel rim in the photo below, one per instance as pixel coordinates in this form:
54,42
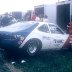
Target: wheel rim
32,47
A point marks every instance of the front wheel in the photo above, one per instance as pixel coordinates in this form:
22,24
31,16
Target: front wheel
33,47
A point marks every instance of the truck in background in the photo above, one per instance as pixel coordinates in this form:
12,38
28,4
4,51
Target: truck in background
59,13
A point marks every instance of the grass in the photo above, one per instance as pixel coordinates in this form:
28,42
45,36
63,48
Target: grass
3,67
48,61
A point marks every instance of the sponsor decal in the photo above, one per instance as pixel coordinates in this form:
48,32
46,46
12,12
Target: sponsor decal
58,41
44,37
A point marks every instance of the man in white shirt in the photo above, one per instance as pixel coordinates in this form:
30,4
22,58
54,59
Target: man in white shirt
45,18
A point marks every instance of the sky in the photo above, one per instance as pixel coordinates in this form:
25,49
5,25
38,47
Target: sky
21,5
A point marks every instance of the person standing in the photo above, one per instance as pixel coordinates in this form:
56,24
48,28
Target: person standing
70,28
5,20
70,34
33,16
45,18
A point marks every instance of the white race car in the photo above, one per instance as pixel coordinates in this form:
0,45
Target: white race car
33,36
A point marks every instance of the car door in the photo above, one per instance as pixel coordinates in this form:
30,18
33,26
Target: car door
44,34
58,38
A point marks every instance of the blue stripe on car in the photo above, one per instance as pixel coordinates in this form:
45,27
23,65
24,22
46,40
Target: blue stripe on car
7,38
27,31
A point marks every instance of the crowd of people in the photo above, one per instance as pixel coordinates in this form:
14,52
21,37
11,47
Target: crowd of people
8,19
31,16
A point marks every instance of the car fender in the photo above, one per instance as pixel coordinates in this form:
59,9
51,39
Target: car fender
29,37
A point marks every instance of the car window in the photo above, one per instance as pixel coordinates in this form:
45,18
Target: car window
44,28
55,29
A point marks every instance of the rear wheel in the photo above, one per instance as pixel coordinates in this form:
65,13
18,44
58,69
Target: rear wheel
33,47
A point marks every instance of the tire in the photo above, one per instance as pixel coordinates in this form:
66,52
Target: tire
33,47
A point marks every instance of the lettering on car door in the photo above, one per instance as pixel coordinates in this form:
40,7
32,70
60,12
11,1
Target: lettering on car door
57,36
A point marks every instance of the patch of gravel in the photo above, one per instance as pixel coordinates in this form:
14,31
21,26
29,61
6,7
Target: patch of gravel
5,66
12,68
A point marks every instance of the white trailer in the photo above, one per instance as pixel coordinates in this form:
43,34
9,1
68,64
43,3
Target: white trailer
59,13
49,10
